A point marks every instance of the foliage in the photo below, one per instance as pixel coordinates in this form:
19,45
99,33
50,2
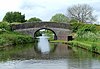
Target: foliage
73,21
14,17
2,41
80,27
90,46
98,27
87,36
98,34
47,32
93,47
14,38
34,19
86,29
50,34
76,26
37,34
4,26
59,18
81,12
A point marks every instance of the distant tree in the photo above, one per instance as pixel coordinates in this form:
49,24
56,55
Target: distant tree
14,17
34,19
82,13
73,21
59,18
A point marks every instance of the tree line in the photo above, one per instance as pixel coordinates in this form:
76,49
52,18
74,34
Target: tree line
77,13
17,17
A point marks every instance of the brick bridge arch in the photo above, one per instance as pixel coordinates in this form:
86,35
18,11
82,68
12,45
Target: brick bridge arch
55,36
61,30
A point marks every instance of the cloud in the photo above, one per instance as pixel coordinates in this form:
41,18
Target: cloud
43,9
28,5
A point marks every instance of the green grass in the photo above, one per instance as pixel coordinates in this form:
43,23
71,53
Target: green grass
13,38
58,41
91,46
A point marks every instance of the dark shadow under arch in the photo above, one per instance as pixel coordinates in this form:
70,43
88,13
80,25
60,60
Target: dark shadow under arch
55,36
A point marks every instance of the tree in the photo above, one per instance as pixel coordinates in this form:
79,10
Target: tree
34,19
14,17
82,13
73,21
59,18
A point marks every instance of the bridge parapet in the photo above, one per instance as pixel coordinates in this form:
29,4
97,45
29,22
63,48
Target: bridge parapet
41,25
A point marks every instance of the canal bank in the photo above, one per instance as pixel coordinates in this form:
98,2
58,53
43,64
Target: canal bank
90,46
8,38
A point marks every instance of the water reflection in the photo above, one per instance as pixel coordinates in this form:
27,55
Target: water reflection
43,44
60,57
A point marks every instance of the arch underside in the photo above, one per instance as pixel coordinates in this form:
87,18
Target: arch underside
55,36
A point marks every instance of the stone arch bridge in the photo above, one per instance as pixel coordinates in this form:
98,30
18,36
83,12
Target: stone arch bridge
61,30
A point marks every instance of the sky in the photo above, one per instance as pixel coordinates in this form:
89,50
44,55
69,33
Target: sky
44,9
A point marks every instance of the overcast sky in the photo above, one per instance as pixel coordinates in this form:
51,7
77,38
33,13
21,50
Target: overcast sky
44,9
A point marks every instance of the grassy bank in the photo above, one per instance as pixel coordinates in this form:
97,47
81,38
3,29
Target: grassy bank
9,37
14,38
86,36
87,45
58,41
90,46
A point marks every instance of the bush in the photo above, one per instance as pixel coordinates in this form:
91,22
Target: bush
2,41
14,38
34,19
4,26
76,26
83,27
89,36
20,39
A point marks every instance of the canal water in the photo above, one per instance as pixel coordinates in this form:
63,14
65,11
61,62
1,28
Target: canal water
61,56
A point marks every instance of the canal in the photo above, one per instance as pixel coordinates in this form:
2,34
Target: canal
61,56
